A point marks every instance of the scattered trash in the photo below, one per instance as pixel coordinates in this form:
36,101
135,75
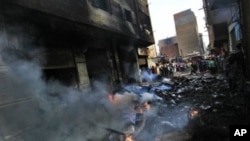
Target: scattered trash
208,96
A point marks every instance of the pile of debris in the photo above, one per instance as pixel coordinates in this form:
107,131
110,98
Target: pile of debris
188,103
211,95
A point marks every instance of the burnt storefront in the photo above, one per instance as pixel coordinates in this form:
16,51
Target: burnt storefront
50,47
78,48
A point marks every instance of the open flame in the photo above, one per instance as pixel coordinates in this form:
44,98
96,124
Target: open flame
193,114
129,137
112,99
122,99
138,107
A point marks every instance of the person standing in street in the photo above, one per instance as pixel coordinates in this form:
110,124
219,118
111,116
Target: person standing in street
237,72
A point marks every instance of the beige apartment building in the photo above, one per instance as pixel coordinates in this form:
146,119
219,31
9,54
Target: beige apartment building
187,33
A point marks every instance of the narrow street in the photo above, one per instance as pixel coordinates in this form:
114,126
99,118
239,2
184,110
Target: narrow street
110,70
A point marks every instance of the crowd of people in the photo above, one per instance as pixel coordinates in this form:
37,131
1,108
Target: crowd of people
232,65
167,69
193,66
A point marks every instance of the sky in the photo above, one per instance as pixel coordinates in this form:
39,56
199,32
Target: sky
162,20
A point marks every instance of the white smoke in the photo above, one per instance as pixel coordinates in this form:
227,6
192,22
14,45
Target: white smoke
60,113
149,77
55,112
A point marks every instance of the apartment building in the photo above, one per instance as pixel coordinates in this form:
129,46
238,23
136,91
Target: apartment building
187,32
72,42
169,47
93,35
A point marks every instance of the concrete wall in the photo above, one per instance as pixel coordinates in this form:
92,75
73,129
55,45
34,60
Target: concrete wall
150,51
128,57
188,40
16,101
187,32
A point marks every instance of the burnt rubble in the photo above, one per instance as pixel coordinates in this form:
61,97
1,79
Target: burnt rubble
191,103
211,95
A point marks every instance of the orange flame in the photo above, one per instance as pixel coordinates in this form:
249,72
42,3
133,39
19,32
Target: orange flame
112,99
129,138
194,113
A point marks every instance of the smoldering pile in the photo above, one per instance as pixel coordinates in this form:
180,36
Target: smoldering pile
208,96
208,93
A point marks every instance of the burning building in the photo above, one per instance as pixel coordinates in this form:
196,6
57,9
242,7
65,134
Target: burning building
82,40
74,43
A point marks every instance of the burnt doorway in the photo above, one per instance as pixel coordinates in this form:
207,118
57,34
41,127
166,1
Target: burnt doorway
66,76
98,66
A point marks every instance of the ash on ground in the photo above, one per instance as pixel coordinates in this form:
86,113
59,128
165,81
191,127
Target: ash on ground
193,107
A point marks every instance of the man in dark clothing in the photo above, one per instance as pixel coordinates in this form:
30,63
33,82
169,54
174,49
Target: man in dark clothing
194,67
237,68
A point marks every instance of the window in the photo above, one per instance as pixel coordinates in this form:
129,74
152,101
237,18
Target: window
128,15
102,4
116,10
145,20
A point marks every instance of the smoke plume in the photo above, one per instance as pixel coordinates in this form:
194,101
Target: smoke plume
48,110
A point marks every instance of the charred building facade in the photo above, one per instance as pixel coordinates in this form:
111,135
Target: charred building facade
228,24
81,40
223,24
73,44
